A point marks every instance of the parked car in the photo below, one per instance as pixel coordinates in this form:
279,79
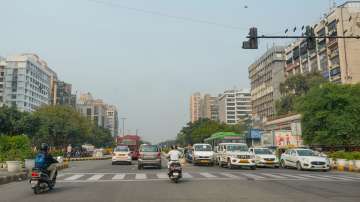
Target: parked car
235,155
202,154
121,154
304,159
264,157
150,155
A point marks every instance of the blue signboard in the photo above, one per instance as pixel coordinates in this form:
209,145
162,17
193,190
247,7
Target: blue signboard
254,134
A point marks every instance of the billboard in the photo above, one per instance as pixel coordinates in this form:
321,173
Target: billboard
281,138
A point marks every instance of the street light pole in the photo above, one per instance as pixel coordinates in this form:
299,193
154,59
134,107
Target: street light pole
123,128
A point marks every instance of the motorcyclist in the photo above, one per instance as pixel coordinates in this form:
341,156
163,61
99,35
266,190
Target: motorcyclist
173,155
45,161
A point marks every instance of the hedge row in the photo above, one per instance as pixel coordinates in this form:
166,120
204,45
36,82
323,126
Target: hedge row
16,148
345,155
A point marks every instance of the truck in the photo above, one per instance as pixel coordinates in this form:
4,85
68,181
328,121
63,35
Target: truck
133,142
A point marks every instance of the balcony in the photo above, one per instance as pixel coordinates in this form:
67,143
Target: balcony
292,66
334,53
332,43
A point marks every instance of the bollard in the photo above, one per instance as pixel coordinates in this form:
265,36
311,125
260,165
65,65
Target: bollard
340,164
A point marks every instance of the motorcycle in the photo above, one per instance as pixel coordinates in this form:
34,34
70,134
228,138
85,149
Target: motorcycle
175,171
40,181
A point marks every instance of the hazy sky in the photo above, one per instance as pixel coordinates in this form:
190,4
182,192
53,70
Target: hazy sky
133,54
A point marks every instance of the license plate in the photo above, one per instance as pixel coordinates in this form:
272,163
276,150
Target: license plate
269,162
175,174
204,161
244,161
34,182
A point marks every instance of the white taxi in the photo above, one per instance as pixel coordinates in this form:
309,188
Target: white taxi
264,157
235,155
121,154
304,159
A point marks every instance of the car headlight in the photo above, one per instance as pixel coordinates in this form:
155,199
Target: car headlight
233,156
305,160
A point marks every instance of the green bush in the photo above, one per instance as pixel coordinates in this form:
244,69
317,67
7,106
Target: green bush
14,148
57,153
345,155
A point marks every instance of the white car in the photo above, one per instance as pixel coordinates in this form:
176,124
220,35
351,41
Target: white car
264,157
235,155
304,159
203,154
121,154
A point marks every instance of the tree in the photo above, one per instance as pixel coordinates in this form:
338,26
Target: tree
295,86
330,115
203,128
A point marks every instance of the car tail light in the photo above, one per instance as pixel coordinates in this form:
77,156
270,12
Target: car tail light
34,174
159,155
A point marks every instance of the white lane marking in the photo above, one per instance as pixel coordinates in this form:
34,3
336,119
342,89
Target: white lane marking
253,176
337,177
187,175
60,175
314,177
207,175
350,177
95,177
118,177
162,175
275,176
293,176
140,176
229,175
74,177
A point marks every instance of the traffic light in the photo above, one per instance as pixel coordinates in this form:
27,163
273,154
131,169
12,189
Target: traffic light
252,43
310,38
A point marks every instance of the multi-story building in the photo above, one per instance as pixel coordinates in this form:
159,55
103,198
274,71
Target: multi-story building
112,121
2,78
28,82
195,108
234,106
266,74
336,58
64,94
100,113
209,107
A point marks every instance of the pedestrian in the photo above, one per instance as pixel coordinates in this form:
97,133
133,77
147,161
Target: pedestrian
69,149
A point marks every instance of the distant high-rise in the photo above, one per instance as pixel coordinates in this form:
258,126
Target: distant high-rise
266,74
29,82
210,107
2,79
195,102
102,114
234,106
64,94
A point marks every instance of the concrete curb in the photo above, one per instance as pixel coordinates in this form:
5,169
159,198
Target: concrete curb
88,159
13,178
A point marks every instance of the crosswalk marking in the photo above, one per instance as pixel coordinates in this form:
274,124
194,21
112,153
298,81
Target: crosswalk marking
74,177
105,177
314,177
207,175
293,176
162,175
273,176
118,177
187,175
95,177
253,176
140,176
229,175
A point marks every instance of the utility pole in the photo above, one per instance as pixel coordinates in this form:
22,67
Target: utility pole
123,126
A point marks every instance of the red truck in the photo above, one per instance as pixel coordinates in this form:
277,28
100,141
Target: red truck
133,142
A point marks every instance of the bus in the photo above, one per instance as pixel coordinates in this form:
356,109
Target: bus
225,137
133,142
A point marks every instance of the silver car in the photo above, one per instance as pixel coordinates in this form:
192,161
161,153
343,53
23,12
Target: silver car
150,155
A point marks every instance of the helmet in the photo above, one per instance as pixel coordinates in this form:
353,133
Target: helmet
44,147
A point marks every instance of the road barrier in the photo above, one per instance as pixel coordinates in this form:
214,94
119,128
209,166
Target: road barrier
87,158
345,165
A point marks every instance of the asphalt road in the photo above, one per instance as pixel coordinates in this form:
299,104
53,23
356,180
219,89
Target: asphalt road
101,181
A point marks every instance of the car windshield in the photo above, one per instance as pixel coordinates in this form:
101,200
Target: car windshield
203,148
263,151
121,149
306,152
149,148
237,147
